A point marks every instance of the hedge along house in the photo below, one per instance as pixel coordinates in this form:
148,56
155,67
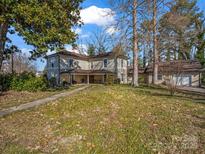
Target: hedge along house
69,67
181,72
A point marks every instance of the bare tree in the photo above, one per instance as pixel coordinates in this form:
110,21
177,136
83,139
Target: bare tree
127,13
173,72
18,63
101,41
135,44
155,52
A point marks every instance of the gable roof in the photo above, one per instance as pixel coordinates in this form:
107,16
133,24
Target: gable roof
85,57
176,66
172,67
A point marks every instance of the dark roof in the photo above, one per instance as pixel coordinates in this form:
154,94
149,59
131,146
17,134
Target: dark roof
85,57
140,70
172,66
176,66
85,71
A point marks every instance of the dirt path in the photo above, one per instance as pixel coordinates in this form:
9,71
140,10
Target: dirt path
40,101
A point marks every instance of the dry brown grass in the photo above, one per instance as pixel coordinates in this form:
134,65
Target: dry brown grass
107,119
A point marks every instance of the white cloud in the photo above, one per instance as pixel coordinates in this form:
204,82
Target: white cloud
26,51
84,35
77,30
68,47
111,30
98,16
82,49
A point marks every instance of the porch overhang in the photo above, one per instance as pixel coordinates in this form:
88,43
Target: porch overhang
87,72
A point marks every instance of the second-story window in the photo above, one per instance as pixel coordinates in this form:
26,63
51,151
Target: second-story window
105,61
121,62
70,62
91,65
52,62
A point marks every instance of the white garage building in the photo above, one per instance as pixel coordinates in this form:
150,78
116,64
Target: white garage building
182,73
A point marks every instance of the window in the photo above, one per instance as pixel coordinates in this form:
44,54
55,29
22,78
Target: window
105,62
91,65
52,61
122,77
159,77
70,62
121,62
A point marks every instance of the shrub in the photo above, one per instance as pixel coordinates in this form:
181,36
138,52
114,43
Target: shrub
52,82
28,82
5,81
64,83
35,84
111,79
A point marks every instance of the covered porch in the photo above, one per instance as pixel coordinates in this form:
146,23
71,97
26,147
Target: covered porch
85,77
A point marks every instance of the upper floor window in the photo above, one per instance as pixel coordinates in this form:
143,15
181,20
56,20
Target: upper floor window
105,62
121,62
70,62
91,65
52,61
159,77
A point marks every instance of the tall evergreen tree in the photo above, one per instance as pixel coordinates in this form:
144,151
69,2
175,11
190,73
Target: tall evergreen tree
42,24
91,50
180,30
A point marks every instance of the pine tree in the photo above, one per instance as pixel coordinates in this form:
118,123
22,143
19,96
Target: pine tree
180,30
91,50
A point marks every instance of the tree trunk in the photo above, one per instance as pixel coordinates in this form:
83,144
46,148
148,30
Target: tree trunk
155,52
3,32
12,62
135,45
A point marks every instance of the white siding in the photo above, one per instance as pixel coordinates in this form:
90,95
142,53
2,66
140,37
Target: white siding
53,67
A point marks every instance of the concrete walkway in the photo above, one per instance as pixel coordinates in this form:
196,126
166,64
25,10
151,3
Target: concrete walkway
196,90
40,101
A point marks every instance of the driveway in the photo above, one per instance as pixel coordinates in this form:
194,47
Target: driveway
193,89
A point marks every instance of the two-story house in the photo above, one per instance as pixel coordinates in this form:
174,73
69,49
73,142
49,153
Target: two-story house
72,67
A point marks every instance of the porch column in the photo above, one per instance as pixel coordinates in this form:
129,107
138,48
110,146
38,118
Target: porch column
71,79
103,78
88,79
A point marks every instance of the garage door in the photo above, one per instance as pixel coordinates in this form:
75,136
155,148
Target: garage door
184,80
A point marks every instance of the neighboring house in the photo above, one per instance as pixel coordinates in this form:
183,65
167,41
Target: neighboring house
183,73
72,67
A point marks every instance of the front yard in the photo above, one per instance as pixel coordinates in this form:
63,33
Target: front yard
108,119
15,98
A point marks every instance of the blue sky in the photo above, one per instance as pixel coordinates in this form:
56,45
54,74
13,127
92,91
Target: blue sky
93,15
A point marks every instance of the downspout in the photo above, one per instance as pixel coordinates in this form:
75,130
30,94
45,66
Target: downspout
199,79
59,70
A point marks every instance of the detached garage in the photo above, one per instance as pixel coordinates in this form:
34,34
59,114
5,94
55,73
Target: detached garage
183,73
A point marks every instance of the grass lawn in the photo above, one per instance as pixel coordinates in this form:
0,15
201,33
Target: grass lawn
108,119
14,98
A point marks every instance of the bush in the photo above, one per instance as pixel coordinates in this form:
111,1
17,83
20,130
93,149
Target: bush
111,79
28,82
22,82
5,81
52,82
35,84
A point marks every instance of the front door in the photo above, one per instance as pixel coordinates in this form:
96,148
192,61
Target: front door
91,78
